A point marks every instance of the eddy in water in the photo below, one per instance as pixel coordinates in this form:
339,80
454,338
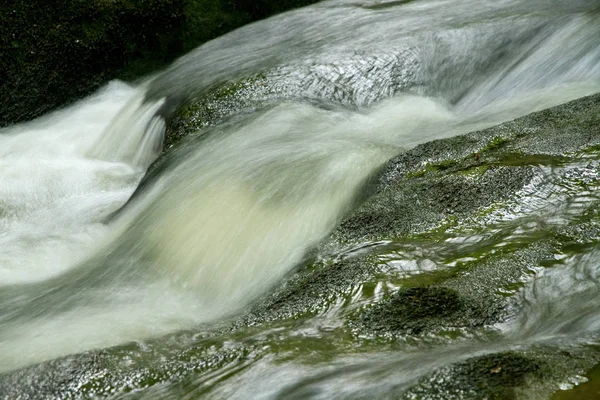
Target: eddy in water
335,90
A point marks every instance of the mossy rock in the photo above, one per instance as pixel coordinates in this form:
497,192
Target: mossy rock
499,376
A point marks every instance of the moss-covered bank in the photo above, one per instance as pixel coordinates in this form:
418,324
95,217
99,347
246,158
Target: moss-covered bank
54,52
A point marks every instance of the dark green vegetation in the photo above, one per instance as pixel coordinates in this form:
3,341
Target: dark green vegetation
444,247
54,52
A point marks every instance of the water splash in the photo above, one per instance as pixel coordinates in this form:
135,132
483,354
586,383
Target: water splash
135,136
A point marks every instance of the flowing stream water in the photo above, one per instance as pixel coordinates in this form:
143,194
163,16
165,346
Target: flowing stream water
349,85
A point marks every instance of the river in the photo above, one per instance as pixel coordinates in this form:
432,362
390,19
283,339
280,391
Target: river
96,253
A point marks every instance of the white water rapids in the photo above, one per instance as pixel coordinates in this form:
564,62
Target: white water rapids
239,206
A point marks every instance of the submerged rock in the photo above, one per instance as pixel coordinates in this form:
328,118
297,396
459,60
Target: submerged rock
416,310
